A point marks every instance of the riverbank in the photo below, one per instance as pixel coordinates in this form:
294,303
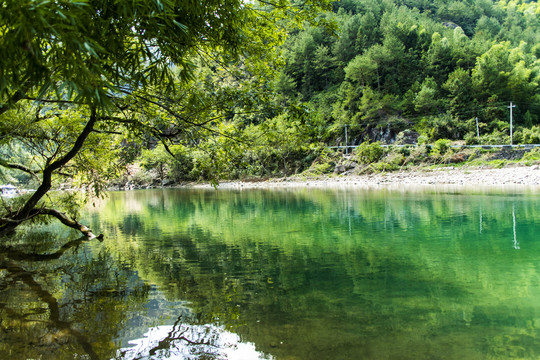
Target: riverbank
513,175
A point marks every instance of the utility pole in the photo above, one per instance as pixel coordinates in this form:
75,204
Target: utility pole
346,142
511,121
477,129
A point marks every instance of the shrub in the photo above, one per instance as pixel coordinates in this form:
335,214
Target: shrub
156,160
141,177
442,126
422,140
323,164
162,164
317,169
202,166
495,138
418,155
529,136
441,146
368,153
533,155
407,137
471,139
181,165
403,150
500,126
390,162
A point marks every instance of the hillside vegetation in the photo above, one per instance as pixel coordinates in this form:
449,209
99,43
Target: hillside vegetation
392,71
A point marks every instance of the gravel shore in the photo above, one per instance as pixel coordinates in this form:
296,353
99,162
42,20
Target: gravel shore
514,176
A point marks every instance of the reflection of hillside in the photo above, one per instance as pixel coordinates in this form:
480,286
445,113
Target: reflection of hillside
331,221
338,267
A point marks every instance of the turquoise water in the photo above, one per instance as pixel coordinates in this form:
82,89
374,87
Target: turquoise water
282,274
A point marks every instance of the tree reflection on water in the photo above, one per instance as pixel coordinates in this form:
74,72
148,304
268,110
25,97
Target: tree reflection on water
65,303
60,330
80,301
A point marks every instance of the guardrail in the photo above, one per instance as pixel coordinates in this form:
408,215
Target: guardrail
524,146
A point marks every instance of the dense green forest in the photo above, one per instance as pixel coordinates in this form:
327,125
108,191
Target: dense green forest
381,68
429,66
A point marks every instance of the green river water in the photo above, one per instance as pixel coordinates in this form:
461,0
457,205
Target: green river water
280,274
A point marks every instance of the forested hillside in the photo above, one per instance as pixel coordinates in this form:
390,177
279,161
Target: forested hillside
431,66
434,68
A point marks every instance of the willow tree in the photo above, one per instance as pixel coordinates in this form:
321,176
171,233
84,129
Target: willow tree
77,77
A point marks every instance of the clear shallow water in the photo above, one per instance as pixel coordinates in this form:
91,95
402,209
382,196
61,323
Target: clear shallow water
283,274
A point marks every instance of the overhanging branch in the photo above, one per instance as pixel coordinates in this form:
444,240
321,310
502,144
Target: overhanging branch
19,167
64,219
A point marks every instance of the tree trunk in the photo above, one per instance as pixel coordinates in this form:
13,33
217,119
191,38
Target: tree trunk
72,223
29,209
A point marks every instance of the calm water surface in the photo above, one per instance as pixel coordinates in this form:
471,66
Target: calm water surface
283,274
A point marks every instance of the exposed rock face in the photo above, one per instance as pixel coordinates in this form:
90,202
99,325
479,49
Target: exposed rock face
385,135
407,137
450,25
